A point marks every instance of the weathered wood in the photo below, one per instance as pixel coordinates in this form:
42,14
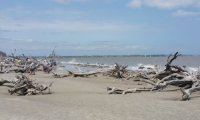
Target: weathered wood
22,85
2,82
83,74
113,90
56,75
23,64
172,75
188,92
170,59
118,71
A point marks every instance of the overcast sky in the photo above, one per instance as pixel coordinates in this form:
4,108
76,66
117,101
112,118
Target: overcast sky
100,27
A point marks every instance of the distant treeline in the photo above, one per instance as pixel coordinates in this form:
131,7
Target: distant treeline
118,56
121,56
78,56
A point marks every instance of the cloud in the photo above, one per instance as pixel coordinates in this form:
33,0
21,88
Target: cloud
50,13
56,20
69,1
100,45
183,13
164,4
29,44
62,12
14,40
104,47
135,3
7,31
61,26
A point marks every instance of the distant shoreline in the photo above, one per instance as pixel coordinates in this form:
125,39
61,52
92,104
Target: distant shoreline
69,56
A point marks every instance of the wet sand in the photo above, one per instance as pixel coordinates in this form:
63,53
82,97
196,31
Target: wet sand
87,99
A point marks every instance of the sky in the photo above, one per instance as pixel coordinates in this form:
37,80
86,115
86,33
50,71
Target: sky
100,27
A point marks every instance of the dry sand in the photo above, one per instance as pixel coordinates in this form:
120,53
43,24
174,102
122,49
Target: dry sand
86,99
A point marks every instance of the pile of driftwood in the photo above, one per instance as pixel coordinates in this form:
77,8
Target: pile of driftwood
171,75
23,64
22,85
156,78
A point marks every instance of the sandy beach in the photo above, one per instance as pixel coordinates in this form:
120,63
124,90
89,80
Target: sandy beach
86,99
99,60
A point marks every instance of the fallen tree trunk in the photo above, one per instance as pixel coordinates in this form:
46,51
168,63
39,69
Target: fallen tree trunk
70,73
83,74
55,75
113,90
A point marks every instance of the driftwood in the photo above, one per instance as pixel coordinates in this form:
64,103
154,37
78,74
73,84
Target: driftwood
22,85
23,64
118,71
169,68
169,61
56,75
187,92
75,74
172,75
114,90
3,82
83,74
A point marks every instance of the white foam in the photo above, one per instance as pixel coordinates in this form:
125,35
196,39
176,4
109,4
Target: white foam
73,61
72,65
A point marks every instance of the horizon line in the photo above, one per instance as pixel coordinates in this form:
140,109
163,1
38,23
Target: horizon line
136,55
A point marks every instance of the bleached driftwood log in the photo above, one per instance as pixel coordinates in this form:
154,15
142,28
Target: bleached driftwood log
76,74
113,90
87,74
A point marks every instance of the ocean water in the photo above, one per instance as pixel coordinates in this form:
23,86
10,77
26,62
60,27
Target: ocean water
67,63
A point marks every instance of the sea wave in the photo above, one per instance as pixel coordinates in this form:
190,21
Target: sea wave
75,65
